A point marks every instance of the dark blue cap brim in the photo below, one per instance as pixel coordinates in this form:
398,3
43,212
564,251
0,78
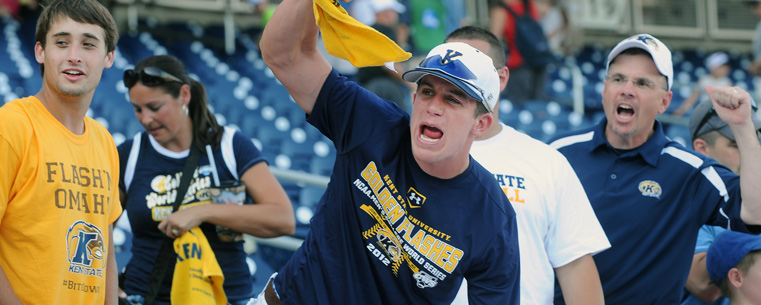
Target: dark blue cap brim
416,74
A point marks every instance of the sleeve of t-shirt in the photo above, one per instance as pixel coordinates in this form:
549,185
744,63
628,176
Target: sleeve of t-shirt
10,161
706,235
575,230
349,115
116,209
246,154
123,150
495,279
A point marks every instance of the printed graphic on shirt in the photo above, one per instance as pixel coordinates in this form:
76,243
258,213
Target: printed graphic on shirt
164,192
416,200
84,189
399,240
513,186
650,188
86,248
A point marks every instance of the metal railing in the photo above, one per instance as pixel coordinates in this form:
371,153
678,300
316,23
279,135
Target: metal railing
302,178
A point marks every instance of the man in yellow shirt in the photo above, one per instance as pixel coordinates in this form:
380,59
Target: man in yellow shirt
59,183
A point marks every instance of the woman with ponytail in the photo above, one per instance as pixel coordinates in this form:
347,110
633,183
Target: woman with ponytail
172,108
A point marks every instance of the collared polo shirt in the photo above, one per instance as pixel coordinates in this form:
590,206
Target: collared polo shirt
651,201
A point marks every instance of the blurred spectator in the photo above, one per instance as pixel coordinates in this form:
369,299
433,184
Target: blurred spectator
718,68
13,8
427,24
263,9
362,10
755,66
380,80
455,17
9,8
526,82
565,39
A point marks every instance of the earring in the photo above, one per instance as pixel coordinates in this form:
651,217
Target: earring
185,109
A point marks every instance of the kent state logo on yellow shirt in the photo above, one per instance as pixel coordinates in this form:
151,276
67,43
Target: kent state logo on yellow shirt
650,188
86,249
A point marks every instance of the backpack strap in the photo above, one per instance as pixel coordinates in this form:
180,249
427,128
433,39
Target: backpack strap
129,169
512,12
228,154
166,253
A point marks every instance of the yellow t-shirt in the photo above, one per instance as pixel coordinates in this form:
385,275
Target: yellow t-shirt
197,277
58,195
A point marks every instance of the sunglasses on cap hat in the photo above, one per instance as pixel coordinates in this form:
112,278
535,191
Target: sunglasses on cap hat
149,76
711,113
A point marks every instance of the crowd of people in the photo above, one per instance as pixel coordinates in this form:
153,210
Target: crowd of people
432,199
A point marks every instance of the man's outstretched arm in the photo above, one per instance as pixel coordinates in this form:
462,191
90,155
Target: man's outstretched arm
733,105
289,48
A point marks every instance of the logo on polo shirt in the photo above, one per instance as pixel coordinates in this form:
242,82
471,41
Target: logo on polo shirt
650,188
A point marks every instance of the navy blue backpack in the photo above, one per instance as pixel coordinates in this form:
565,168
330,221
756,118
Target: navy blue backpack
530,38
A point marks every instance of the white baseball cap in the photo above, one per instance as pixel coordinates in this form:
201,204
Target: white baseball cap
716,60
465,67
658,51
382,5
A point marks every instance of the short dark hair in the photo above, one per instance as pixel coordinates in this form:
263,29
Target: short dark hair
472,32
481,109
709,137
744,265
83,11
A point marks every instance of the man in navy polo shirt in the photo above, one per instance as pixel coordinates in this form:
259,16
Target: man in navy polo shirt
650,194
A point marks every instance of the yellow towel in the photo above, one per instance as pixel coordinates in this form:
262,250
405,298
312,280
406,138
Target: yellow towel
197,277
351,40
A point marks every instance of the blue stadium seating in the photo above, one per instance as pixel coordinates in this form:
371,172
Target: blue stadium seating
243,91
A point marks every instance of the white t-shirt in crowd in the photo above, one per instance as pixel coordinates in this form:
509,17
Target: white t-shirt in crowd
556,223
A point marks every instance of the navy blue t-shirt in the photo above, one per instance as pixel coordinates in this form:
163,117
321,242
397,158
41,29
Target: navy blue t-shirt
150,186
385,232
651,201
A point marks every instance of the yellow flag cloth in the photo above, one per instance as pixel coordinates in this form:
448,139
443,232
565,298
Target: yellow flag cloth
352,40
197,277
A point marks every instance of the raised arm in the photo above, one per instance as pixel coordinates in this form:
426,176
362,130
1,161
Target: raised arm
733,105
289,48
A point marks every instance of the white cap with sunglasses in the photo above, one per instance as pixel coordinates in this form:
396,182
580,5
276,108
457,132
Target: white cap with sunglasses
658,51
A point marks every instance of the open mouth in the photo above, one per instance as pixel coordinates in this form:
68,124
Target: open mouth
430,133
625,111
72,72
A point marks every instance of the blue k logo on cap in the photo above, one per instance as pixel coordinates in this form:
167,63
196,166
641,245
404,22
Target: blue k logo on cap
465,67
